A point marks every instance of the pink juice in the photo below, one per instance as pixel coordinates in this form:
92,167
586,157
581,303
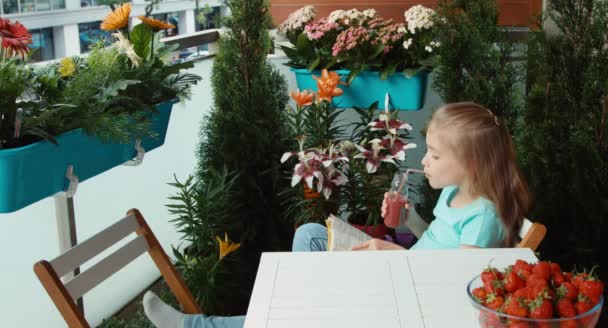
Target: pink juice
394,204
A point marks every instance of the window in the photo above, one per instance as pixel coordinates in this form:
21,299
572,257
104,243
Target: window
90,33
26,6
10,6
206,17
171,18
42,44
88,3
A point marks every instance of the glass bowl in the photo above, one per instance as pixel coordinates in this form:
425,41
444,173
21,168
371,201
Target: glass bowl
489,318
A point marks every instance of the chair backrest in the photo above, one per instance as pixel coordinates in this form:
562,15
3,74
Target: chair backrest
64,295
531,234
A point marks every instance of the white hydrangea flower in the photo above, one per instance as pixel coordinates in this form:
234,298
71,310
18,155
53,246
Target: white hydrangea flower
407,43
428,48
419,18
336,15
297,19
369,13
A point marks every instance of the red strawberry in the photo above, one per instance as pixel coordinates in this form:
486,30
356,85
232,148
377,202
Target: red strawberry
592,289
516,307
524,274
537,286
491,274
494,302
568,324
578,279
518,324
555,268
565,308
557,278
542,269
567,290
513,282
522,265
583,306
541,308
523,293
479,294
488,320
495,286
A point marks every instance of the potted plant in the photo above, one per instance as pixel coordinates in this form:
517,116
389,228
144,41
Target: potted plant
371,54
351,174
86,113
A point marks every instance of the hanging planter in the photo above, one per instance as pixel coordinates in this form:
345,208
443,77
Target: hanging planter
406,93
38,170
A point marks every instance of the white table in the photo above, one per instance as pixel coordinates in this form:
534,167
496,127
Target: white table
371,289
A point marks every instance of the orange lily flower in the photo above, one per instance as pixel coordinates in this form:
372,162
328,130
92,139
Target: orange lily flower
327,92
117,19
328,78
327,84
303,98
155,24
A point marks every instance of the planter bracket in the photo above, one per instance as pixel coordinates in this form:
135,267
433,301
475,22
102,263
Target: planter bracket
73,183
141,152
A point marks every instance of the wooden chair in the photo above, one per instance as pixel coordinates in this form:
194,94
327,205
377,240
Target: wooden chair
531,234
64,295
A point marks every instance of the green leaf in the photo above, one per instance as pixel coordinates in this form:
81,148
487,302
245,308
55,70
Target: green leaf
114,88
409,72
314,63
390,69
290,52
141,37
433,61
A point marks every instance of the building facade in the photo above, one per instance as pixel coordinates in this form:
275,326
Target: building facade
62,28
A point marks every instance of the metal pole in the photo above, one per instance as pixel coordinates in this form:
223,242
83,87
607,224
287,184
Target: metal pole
66,224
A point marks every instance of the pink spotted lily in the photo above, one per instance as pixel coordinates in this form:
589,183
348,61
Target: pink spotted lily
396,146
384,122
374,157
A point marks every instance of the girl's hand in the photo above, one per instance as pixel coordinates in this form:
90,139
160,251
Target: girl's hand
383,209
377,245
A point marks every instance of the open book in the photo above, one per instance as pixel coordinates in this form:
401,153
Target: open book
342,236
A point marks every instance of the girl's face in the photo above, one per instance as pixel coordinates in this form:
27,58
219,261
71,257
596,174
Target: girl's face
441,167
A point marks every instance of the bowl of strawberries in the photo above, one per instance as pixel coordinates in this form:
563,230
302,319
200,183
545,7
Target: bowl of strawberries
526,295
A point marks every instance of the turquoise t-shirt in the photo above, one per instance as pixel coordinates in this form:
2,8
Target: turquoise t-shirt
476,224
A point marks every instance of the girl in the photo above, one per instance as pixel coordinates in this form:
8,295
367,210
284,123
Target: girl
470,156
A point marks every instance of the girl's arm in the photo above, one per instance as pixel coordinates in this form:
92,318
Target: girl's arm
469,247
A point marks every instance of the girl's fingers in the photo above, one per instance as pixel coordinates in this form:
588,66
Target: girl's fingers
364,245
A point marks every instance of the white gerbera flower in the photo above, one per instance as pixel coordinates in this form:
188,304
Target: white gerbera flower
124,46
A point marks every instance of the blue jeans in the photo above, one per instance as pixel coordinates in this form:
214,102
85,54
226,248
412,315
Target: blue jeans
310,237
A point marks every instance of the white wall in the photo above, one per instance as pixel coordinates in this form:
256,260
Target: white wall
30,234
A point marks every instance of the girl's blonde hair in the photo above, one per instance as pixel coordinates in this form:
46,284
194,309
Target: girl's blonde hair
486,150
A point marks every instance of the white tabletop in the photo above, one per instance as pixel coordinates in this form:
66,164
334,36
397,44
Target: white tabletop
371,289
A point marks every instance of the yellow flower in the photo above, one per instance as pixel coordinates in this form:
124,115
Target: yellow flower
66,67
226,246
155,24
117,19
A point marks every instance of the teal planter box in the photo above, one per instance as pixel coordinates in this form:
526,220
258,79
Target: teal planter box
405,93
37,171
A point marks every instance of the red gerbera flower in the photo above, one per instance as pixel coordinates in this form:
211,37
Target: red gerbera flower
15,38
